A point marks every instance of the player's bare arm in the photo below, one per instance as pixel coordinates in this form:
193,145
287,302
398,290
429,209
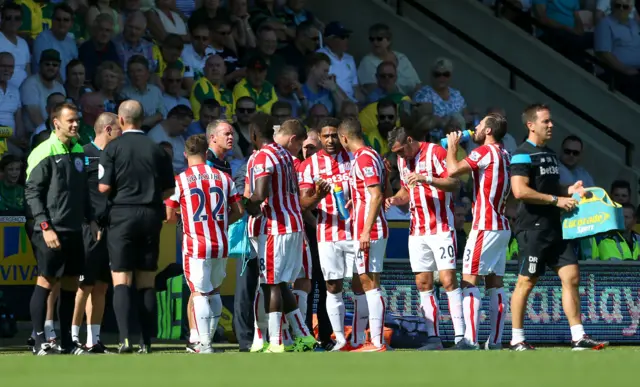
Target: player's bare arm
401,198
310,197
522,191
375,206
309,218
237,211
455,167
260,193
171,215
106,188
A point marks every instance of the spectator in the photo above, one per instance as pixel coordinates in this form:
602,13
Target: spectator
320,87
621,191
223,45
604,9
387,117
387,77
211,86
32,20
343,66
444,99
296,14
256,86
281,111
167,148
195,55
162,21
131,43
171,82
99,48
570,170
297,53
43,131
617,43
204,15
563,29
168,55
209,111
57,38
109,77
103,7
10,105
407,79
14,44
150,96
92,106
316,114
11,189
289,90
245,108
349,109
172,130
37,87
76,83
267,44
459,217
618,245
266,12
240,27
128,8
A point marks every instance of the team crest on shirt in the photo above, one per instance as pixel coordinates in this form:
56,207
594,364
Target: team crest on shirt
474,156
257,169
79,164
368,171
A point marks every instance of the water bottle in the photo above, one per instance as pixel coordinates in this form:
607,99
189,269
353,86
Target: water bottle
466,135
338,194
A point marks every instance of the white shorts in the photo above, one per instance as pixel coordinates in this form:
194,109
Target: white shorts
429,253
204,275
306,270
337,259
370,261
486,252
279,257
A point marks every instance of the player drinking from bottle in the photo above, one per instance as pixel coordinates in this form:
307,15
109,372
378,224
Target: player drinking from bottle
427,188
486,251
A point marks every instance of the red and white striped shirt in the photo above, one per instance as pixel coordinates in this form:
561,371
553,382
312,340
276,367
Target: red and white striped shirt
335,170
367,170
254,223
281,211
491,186
204,194
431,208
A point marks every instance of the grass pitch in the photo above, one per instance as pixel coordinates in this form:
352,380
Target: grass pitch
546,367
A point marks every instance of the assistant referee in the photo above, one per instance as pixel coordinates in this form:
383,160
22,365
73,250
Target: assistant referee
535,181
137,174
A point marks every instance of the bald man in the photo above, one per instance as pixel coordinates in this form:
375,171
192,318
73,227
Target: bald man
130,43
311,145
92,105
137,174
96,277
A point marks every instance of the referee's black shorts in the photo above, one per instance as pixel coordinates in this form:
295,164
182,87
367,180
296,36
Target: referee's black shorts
543,248
67,261
96,265
133,237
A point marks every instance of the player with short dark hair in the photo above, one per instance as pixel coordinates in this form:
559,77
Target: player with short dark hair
137,174
535,181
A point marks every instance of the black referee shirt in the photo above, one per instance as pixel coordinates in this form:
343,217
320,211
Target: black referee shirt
137,169
540,165
91,165
219,164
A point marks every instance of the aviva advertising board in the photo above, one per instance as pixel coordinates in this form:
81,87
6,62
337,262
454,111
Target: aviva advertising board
17,264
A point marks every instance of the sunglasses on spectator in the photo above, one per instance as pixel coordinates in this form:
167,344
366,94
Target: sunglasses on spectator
201,38
625,7
571,152
63,19
246,110
386,76
15,18
223,33
386,117
376,38
438,74
51,64
173,80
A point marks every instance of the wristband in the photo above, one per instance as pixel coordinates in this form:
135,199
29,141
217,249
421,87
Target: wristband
554,200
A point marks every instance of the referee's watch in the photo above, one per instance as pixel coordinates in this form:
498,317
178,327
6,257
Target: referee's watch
44,226
554,200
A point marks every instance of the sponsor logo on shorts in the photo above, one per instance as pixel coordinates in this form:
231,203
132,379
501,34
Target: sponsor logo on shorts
533,264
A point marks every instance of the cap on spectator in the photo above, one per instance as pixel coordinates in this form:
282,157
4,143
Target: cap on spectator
50,54
8,159
257,63
336,28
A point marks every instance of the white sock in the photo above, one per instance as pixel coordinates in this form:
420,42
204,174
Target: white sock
75,333
471,308
215,303
498,312
517,336
93,335
577,332
297,324
275,327
193,335
336,312
360,319
204,315
49,330
376,305
431,312
301,299
260,323
457,315
286,334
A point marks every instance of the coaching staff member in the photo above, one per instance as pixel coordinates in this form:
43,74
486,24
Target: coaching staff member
137,174
57,198
535,181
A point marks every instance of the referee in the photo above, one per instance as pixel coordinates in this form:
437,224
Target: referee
535,181
57,197
137,175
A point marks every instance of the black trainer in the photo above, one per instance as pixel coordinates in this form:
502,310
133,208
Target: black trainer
586,343
522,346
125,347
98,348
144,349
